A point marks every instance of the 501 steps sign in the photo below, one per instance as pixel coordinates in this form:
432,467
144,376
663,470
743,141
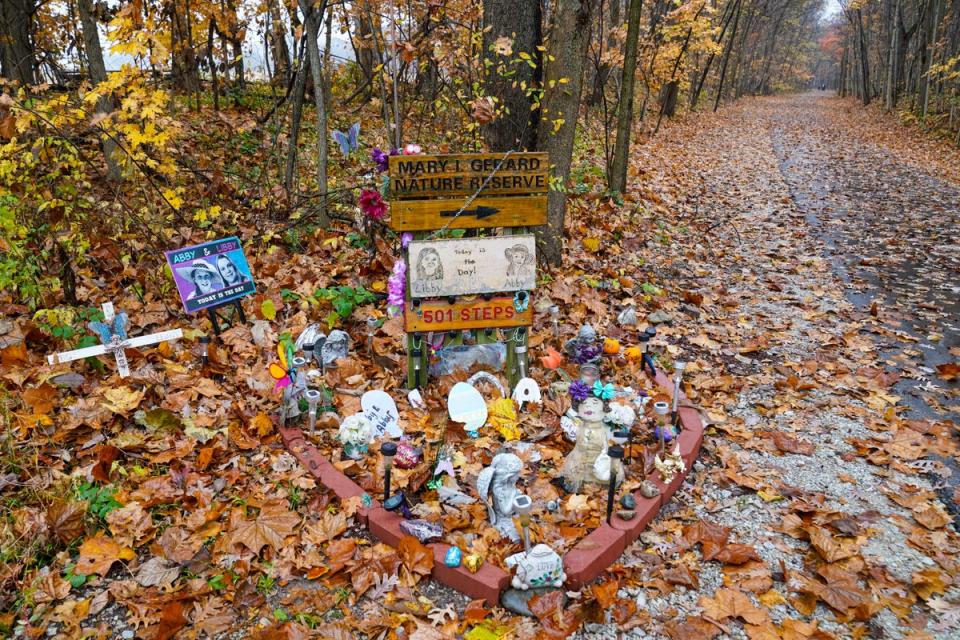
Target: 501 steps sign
427,191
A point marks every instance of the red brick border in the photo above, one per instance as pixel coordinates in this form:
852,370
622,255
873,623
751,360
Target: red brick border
584,562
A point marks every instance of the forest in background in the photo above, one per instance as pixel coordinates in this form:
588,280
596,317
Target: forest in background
181,139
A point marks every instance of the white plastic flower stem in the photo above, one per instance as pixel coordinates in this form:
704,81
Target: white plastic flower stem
678,368
555,317
522,505
313,400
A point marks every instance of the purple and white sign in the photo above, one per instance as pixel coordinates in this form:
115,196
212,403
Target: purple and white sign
210,274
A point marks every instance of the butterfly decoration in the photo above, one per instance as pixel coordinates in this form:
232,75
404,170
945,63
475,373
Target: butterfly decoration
283,372
603,391
349,141
117,328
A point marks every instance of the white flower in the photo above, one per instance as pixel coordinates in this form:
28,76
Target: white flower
621,415
355,430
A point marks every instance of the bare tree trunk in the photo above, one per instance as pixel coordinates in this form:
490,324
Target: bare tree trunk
278,41
312,17
98,74
212,63
864,60
17,52
519,21
618,172
567,51
726,58
299,89
890,93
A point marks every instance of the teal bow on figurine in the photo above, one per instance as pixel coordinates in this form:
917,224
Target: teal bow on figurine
603,391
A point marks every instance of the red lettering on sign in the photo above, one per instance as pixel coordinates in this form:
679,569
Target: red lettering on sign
509,311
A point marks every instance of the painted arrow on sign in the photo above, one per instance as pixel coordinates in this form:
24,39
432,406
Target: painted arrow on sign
479,213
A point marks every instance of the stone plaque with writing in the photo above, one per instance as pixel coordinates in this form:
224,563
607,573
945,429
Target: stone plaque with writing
464,266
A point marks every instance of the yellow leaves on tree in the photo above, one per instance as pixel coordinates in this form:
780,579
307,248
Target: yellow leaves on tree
268,529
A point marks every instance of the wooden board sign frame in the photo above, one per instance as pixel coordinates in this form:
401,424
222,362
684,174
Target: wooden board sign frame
429,191
477,313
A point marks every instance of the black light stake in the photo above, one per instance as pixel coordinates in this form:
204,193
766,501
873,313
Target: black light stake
387,450
648,334
616,455
678,368
622,437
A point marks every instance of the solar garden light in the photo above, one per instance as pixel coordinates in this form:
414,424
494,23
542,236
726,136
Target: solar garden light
678,368
318,353
398,502
387,450
520,350
416,353
616,455
522,505
555,317
204,350
313,400
645,358
661,409
621,437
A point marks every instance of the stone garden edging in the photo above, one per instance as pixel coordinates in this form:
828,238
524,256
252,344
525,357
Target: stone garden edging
584,562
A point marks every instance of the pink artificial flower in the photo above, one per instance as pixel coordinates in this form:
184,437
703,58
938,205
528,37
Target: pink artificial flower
412,150
372,204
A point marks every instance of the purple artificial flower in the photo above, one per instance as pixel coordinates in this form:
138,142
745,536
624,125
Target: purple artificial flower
397,287
405,239
579,390
381,158
586,353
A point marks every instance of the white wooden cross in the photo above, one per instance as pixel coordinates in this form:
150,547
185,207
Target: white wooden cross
116,345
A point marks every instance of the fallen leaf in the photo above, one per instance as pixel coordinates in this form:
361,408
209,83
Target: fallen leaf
98,554
416,557
788,444
730,603
274,522
157,572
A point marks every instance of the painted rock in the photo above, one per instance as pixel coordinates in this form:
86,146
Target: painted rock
626,514
422,530
541,567
408,456
472,562
453,557
628,501
649,490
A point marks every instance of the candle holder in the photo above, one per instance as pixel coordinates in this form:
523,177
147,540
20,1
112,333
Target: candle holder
555,318
387,450
589,373
678,368
616,455
204,350
313,401
522,505
660,410
645,359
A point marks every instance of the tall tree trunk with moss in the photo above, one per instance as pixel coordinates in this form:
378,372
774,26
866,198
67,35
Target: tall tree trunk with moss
618,172
98,74
517,22
563,78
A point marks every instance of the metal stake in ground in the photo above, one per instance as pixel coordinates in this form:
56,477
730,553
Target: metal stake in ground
616,455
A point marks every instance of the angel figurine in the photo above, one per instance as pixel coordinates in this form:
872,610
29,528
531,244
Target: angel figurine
497,487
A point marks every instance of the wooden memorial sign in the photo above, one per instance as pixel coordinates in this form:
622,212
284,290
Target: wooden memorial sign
429,191
468,191
464,266
474,313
